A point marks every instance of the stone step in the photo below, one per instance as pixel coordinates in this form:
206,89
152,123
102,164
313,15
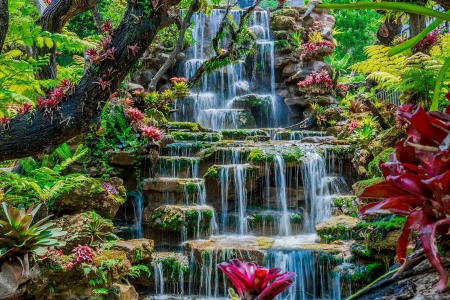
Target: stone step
187,126
177,166
186,148
241,134
296,135
195,136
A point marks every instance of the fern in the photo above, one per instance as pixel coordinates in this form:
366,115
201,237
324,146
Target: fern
378,61
137,270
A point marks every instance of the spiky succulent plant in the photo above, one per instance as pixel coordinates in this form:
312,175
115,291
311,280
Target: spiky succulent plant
18,236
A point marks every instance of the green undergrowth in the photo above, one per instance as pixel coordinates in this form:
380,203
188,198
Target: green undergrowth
373,169
196,136
192,126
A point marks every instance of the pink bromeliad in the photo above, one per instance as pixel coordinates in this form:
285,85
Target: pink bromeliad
256,283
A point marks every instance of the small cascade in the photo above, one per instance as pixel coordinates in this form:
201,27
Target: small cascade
317,279
137,199
159,278
280,183
178,166
317,193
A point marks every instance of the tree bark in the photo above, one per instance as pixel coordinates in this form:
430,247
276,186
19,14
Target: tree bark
41,6
38,132
97,18
417,24
53,20
4,22
388,31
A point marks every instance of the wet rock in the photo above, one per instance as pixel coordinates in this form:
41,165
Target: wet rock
134,87
246,249
241,87
359,186
122,158
92,195
143,77
294,197
251,100
318,139
308,113
308,99
136,250
336,228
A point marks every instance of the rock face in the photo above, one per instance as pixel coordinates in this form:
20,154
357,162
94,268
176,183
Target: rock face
103,196
10,279
294,63
137,250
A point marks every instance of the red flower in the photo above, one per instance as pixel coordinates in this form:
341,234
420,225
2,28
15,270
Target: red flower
57,93
24,109
69,266
106,27
134,114
253,282
178,79
82,254
4,120
151,133
102,83
353,125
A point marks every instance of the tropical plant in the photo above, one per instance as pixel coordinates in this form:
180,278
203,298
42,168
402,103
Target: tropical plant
369,120
363,134
96,228
18,237
253,282
356,106
418,184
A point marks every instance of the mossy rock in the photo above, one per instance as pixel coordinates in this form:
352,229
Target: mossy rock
286,12
283,23
386,139
194,219
359,186
336,228
281,35
92,195
191,126
174,265
241,134
195,136
136,250
56,282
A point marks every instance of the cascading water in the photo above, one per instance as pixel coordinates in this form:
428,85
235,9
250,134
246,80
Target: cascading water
280,184
138,202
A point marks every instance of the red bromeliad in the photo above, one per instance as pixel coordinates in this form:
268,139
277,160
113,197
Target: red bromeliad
151,133
418,183
256,283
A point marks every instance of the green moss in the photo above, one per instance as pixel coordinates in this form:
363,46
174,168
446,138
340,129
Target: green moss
368,273
194,127
212,172
256,156
359,187
293,155
343,151
347,206
172,218
156,115
373,169
296,219
288,12
191,188
172,269
241,134
197,136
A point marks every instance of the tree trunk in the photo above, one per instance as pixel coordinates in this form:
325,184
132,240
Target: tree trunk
38,132
388,31
4,22
97,18
417,24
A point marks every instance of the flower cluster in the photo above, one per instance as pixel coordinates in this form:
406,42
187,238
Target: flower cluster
353,125
105,50
81,254
65,87
24,109
110,189
254,282
151,133
341,90
318,49
317,78
134,114
4,122
427,42
418,184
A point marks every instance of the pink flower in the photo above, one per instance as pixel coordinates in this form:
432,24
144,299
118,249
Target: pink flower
127,102
82,254
134,114
59,252
57,93
151,133
353,125
69,266
24,109
253,282
178,79
110,189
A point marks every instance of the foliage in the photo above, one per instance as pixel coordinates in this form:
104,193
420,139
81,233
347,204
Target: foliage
363,134
253,282
96,228
418,183
136,271
18,237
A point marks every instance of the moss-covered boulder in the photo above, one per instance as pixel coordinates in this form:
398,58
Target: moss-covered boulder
103,196
287,12
136,250
346,205
281,22
56,281
190,126
336,228
193,219
78,233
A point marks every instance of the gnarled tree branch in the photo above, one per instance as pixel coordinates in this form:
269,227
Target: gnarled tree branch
41,6
4,22
38,132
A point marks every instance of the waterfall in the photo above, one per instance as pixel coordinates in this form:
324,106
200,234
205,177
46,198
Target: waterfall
280,183
319,203
137,199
